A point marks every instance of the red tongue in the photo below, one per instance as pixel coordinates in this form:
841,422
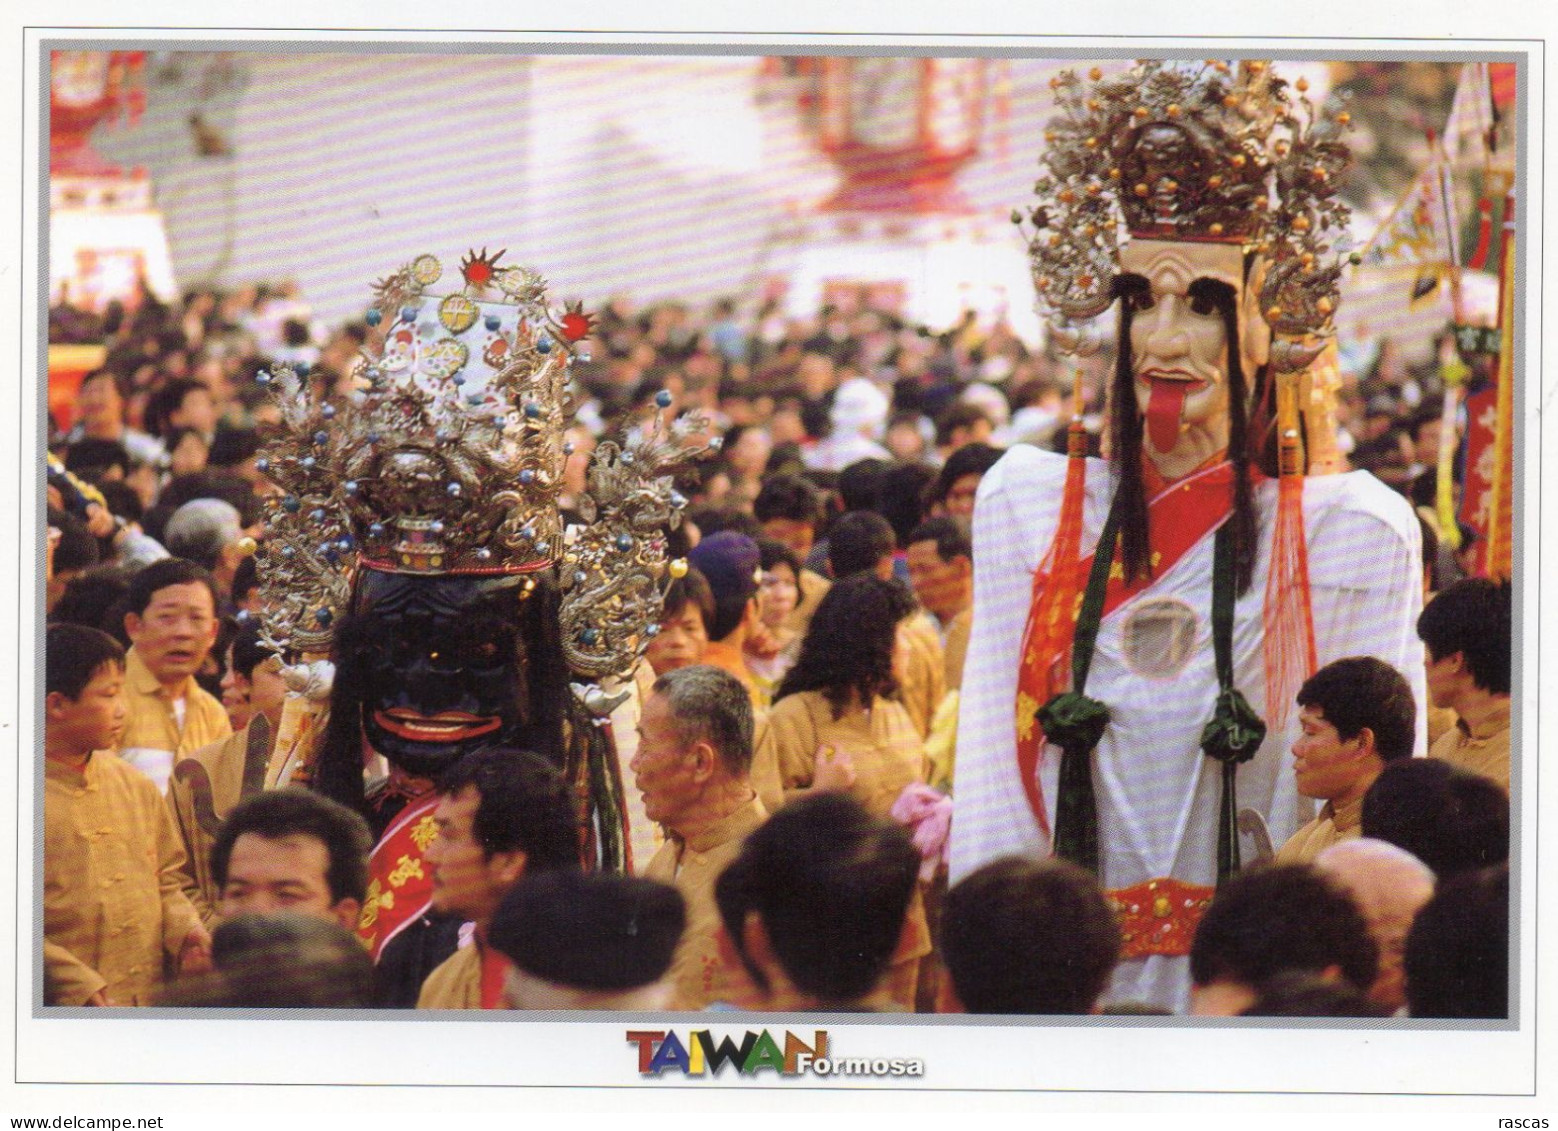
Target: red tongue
1163,408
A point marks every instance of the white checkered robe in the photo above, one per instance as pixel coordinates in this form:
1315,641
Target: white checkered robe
1157,793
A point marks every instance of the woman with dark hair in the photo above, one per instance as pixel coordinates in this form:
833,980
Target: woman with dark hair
188,451
772,652
837,725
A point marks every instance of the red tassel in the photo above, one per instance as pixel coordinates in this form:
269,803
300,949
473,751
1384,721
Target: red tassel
1045,670
1058,603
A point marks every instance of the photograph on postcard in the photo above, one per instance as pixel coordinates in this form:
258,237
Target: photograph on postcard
812,554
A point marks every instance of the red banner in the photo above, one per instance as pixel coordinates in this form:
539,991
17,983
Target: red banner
1501,77
400,880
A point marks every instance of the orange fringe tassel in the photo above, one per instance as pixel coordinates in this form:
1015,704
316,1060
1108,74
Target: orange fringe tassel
1289,620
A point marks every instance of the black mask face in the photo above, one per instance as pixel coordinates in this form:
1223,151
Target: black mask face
443,666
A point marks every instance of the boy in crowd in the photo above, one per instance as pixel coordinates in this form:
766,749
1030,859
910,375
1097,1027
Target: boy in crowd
113,907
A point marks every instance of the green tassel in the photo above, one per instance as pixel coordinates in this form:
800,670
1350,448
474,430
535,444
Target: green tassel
1075,722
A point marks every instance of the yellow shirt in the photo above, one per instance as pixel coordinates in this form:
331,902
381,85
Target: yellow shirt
455,983
956,647
1484,750
925,680
153,739
223,762
883,742
692,866
765,766
113,904
1331,826
888,755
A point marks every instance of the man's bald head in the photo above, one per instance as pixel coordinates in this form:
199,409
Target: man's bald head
1390,886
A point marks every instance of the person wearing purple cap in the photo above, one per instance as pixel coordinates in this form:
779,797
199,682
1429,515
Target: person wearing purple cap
732,565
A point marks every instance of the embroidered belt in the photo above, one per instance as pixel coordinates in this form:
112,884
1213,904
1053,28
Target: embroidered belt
1159,916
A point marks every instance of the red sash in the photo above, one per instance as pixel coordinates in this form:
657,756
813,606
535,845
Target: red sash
400,881
1179,517
494,970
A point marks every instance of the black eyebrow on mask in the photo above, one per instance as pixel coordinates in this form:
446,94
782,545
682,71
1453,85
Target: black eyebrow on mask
1215,291
1130,283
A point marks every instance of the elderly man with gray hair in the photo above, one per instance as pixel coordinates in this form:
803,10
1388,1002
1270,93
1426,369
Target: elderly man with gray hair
694,768
210,533
1390,886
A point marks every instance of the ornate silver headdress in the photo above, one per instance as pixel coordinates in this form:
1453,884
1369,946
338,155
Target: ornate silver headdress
451,461
1196,152
613,562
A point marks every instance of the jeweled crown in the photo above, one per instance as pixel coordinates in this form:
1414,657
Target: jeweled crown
1177,151
451,461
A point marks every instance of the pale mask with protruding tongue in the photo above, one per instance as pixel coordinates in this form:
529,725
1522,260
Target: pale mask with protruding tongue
1179,350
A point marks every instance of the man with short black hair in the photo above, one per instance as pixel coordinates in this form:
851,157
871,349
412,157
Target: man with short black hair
1457,953
183,403
957,484
1029,936
171,622
686,612
1267,920
814,905
588,940
861,542
1449,818
292,850
790,509
502,813
1467,630
100,401
1355,716
693,767
98,461
940,556
962,424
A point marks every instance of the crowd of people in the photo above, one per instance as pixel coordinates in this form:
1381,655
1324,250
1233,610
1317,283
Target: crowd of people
796,747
